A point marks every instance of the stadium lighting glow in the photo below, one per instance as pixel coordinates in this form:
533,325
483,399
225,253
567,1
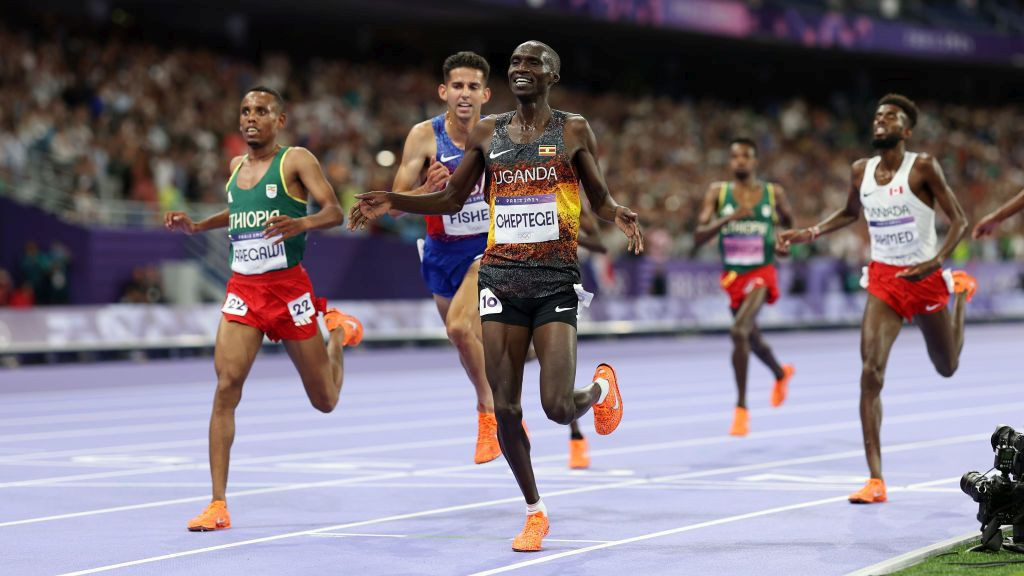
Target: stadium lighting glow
385,158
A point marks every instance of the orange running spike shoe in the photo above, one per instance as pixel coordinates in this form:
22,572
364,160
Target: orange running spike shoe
215,517
608,414
964,282
740,422
487,447
536,529
781,387
353,328
871,493
579,454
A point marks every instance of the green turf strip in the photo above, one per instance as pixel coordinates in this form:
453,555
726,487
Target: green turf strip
961,561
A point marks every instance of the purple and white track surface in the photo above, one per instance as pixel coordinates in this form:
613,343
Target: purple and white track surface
102,465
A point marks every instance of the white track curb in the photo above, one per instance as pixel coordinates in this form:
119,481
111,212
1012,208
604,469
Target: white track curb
910,558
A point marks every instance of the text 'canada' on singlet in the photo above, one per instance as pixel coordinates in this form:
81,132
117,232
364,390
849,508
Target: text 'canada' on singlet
248,211
901,226
534,196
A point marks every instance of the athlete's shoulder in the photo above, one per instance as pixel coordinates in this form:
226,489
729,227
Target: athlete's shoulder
297,155
860,164
424,129
236,161
491,119
925,158
486,126
716,186
573,120
926,165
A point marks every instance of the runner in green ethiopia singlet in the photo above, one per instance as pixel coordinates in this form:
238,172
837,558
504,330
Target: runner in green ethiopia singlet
748,243
249,209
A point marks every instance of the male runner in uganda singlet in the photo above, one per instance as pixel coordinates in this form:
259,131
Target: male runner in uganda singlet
536,160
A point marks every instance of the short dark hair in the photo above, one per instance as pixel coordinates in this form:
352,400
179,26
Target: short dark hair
903,103
267,90
746,142
466,59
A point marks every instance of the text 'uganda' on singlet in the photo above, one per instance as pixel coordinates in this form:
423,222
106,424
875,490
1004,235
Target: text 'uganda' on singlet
472,220
534,196
901,226
249,209
749,243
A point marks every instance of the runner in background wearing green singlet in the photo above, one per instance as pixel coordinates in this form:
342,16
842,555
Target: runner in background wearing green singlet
743,213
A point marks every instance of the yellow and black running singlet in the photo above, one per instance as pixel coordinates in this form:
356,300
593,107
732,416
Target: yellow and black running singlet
534,197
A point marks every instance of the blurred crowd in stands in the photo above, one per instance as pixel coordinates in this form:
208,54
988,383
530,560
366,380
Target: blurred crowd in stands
41,277
120,121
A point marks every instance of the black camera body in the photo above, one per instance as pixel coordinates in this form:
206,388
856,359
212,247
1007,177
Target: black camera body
1000,493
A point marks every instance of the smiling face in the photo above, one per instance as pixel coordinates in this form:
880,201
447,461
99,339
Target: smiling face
260,117
465,92
890,127
532,70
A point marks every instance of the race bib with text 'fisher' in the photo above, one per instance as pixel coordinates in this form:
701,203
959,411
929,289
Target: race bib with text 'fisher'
525,219
474,218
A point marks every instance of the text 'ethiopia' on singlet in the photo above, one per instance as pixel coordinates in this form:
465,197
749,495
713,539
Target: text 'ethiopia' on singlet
534,196
901,226
472,220
748,243
250,208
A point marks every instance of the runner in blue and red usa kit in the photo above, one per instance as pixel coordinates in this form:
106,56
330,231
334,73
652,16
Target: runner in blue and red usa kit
455,242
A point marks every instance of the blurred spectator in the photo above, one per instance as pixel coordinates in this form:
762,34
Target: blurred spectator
144,287
35,266
6,287
158,127
23,297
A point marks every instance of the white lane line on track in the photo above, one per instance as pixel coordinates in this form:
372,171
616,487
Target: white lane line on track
797,431
579,490
374,408
660,534
417,536
907,398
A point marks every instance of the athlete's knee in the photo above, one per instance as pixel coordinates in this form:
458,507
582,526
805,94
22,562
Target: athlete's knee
506,411
460,332
229,390
324,402
946,367
322,395
560,410
872,377
758,345
740,334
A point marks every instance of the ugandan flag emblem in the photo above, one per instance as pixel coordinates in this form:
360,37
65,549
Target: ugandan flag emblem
547,150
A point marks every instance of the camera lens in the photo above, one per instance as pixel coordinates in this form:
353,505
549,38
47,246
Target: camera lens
975,485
